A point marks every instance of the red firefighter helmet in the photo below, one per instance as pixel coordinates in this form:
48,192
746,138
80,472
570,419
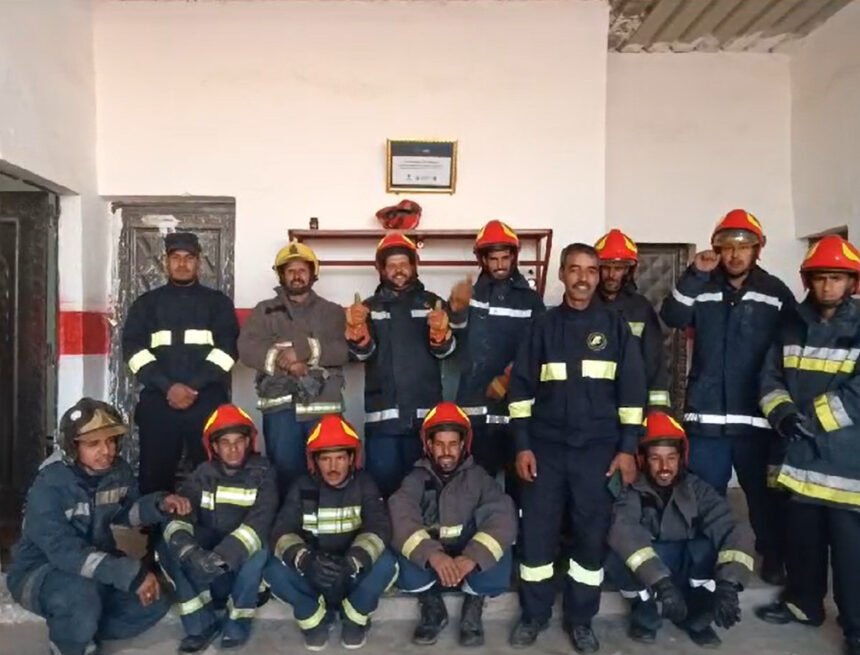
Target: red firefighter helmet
831,253
738,226
405,215
496,234
663,430
615,246
447,416
332,432
228,418
398,242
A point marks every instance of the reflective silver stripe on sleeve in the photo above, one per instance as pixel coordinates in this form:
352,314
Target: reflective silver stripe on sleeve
91,563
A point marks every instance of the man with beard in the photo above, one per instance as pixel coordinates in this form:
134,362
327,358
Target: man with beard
179,340
619,258
295,343
453,528
577,399
674,540
735,308
810,391
215,558
401,333
490,319
330,540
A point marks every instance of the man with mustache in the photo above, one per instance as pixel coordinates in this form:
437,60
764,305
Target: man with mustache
577,399
295,343
810,393
490,319
330,539
401,333
674,540
735,308
179,340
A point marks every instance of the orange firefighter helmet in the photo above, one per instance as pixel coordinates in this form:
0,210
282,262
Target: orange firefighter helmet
738,226
395,242
447,416
332,432
831,253
496,234
663,430
228,418
405,215
615,246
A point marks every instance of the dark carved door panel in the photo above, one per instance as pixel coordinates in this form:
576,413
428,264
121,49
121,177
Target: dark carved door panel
660,266
28,306
141,268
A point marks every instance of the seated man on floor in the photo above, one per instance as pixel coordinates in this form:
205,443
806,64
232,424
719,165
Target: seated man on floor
674,540
330,540
67,567
217,556
453,528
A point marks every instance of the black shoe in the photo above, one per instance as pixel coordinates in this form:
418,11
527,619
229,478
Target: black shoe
641,634
705,638
264,597
773,571
233,641
779,613
196,643
317,638
525,632
434,618
471,625
583,639
352,634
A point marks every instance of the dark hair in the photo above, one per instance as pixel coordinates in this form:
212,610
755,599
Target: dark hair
575,249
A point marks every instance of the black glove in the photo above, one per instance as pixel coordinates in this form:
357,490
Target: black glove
672,600
727,607
202,566
795,427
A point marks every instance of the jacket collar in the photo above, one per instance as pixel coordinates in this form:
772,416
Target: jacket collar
516,281
682,495
845,319
427,465
283,297
386,293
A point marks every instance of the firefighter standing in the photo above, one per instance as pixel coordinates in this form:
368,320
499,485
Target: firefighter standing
179,340
810,392
330,540
401,333
295,343
453,527
67,566
619,257
674,539
217,555
577,397
735,308
490,319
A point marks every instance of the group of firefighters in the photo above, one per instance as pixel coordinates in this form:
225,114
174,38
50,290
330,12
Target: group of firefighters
571,403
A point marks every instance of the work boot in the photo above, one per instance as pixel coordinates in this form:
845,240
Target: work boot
471,626
705,638
641,634
434,617
317,638
583,638
353,635
779,613
773,571
263,597
197,643
644,621
525,632
236,634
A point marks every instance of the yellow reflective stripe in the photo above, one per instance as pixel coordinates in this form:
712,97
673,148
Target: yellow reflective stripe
825,413
207,500
585,576
412,542
598,369
636,327
641,556
521,408
314,619
177,526
339,513
630,415
770,401
553,372
819,365
198,338
450,531
798,613
239,612
659,398
370,543
235,496
160,338
536,573
815,490
353,614
195,604
729,556
285,542
220,359
490,543
140,359
249,538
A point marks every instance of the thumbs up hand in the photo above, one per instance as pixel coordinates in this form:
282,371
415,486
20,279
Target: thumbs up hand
437,321
356,322
461,294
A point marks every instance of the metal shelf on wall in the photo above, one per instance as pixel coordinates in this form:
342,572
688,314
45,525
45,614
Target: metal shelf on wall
540,241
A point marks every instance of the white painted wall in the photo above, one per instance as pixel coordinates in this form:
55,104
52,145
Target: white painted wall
692,136
825,85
